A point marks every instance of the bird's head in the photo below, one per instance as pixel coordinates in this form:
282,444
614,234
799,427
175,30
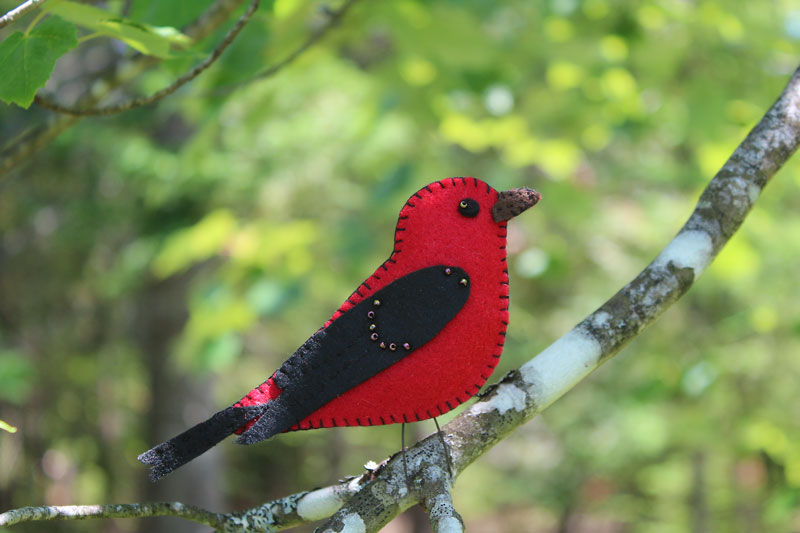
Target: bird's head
455,219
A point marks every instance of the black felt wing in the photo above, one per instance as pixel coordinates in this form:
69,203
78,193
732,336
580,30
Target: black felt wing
369,338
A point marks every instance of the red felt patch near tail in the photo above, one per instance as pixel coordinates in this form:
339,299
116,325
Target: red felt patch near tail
262,394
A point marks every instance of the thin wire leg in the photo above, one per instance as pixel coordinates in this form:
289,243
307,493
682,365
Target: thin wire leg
444,445
403,450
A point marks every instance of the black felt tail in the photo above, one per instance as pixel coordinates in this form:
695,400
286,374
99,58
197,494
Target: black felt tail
179,450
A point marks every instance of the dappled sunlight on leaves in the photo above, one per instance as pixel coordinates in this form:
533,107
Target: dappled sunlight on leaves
192,245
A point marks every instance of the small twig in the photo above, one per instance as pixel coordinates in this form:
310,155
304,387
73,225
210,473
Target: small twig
334,17
129,510
211,19
166,91
438,502
19,11
294,510
33,140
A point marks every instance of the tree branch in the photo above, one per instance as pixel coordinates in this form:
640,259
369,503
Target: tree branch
297,509
31,141
524,393
290,511
211,19
378,496
163,93
334,17
129,510
19,11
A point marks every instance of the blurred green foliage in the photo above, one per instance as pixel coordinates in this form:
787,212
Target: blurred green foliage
254,212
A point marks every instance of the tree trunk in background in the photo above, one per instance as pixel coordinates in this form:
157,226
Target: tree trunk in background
697,498
177,402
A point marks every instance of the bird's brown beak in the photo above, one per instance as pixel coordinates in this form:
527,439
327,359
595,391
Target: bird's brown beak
511,203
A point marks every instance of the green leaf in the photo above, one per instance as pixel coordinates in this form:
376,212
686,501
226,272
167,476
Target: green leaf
7,427
28,59
149,40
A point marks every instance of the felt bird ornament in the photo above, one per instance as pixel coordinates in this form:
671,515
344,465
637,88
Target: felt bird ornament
417,338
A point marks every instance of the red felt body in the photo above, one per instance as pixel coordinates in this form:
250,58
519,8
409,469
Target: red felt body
453,366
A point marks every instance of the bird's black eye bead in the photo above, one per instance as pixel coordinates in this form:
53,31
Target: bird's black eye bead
469,207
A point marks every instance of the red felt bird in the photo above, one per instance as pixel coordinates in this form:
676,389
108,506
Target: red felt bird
420,336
